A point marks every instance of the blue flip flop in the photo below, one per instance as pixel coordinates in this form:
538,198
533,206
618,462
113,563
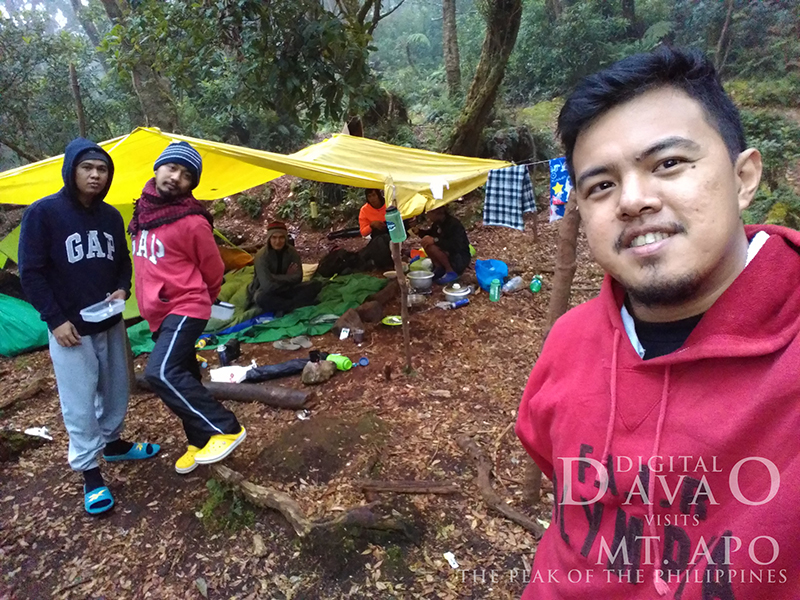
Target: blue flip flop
98,500
139,451
448,277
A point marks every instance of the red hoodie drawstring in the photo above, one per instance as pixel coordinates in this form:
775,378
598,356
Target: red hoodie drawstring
613,415
661,586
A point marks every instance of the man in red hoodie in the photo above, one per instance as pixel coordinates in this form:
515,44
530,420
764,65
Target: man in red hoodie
178,277
671,432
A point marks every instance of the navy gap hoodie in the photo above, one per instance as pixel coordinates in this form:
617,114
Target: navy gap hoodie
71,256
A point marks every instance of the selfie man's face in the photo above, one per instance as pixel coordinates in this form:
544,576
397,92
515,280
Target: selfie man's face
661,200
173,180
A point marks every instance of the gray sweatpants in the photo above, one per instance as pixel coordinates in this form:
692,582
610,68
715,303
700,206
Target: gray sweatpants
92,383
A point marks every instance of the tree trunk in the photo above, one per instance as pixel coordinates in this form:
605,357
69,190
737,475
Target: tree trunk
113,10
720,55
566,263
501,34
452,62
19,151
629,14
86,23
553,9
76,93
152,90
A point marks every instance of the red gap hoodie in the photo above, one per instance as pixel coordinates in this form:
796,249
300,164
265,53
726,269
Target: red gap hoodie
178,270
714,515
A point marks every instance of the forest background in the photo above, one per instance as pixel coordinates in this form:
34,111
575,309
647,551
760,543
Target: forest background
475,77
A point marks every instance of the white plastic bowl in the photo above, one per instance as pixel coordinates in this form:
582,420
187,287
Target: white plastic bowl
222,311
103,310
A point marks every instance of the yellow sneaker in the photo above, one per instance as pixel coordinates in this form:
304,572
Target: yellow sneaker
218,447
186,463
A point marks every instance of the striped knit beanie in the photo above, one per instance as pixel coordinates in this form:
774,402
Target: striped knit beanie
181,153
277,227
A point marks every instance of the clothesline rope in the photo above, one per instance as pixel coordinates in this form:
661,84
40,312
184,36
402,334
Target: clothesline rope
532,162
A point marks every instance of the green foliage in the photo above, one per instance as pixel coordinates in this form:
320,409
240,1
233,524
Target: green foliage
336,205
37,112
778,140
244,57
218,208
225,510
783,91
251,205
542,116
552,55
778,207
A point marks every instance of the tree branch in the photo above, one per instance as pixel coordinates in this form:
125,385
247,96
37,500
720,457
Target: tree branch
362,13
378,17
359,516
490,497
19,151
76,94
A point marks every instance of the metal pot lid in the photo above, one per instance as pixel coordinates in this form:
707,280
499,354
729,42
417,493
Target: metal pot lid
457,290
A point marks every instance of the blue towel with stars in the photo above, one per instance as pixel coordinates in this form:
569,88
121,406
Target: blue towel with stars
560,187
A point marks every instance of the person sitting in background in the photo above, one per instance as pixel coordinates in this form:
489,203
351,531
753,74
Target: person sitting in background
372,216
372,223
278,286
446,244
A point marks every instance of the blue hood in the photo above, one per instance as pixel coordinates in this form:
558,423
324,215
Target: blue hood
71,160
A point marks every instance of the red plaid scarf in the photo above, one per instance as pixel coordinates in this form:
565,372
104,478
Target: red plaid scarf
151,210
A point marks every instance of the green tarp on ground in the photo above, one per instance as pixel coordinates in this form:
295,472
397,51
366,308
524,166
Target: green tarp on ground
21,328
338,296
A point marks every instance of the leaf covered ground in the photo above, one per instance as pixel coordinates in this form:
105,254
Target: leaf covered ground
173,536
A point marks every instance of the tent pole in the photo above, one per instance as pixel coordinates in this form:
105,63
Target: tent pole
401,278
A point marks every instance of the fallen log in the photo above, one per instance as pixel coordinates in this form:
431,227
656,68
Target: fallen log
271,395
490,497
362,517
408,487
28,392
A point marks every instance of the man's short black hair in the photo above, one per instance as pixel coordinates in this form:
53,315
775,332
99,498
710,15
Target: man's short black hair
686,70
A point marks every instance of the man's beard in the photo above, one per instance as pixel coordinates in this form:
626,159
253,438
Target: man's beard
166,193
666,292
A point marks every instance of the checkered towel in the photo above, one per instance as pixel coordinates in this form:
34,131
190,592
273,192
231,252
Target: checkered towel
509,193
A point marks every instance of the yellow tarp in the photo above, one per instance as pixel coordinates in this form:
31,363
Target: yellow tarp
229,169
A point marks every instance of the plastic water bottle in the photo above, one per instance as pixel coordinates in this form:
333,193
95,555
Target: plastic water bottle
494,290
536,284
512,285
394,224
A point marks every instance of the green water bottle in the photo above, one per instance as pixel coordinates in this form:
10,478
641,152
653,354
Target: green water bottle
342,362
394,223
536,284
494,290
